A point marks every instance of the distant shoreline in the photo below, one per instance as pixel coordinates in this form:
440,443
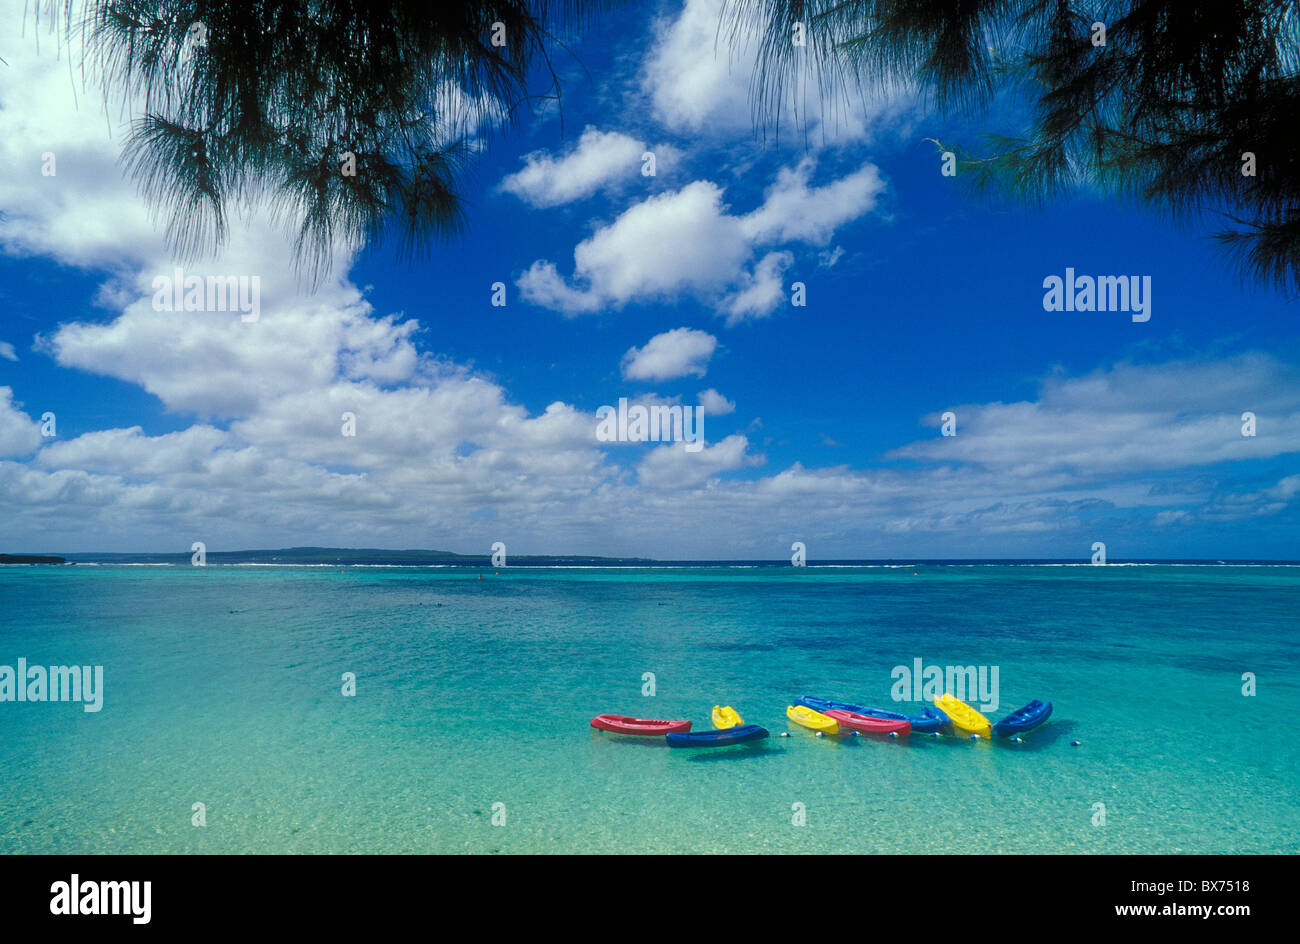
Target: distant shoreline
378,557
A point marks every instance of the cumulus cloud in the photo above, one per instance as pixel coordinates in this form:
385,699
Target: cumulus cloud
63,193
598,159
687,242
670,243
1130,418
715,404
671,466
676,353
542,284
130,453
698,76
203,362
429,436
689,75
7,351
19,435
428,456
795,212
760,291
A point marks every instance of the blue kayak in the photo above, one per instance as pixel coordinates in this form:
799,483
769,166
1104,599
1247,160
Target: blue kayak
738,735
932,721
929,721
1024,719
827,704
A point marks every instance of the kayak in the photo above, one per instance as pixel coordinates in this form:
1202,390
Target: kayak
928,721
931,721
964,718
806,717
727,717
829,704
869,724
1024,719
735,735
622,724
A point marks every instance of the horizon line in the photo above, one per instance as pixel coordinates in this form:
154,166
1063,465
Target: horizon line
782,561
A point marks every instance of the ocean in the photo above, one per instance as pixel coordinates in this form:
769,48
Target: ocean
468,730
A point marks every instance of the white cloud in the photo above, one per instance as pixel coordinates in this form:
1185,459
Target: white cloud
430,455
699,74
466,118
86,213
687,242
715,404
431,437
793,211
761,291
672,467
690,76
676,353
598,159
213,364
673,242
131,454
7,351
543,285
828,257
1130,419
19,435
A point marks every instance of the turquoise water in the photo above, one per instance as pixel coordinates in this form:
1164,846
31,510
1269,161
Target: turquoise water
223,686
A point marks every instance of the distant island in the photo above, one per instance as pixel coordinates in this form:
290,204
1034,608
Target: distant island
30,559
379,557
343,556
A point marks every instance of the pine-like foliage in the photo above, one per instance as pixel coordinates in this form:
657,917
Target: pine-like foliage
1167,109
264,101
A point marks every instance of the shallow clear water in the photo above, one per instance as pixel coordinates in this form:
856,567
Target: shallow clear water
223,686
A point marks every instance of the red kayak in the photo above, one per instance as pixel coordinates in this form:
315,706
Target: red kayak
621,724
869,725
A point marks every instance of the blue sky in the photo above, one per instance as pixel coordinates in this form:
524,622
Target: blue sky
476,423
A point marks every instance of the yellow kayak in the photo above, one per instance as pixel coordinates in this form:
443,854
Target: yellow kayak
965,719
726,717
808,718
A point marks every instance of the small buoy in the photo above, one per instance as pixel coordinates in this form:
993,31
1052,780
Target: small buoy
480,576
785,734
820,734
893,734
1018,740
935,734
974,737
1075,743
853,733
